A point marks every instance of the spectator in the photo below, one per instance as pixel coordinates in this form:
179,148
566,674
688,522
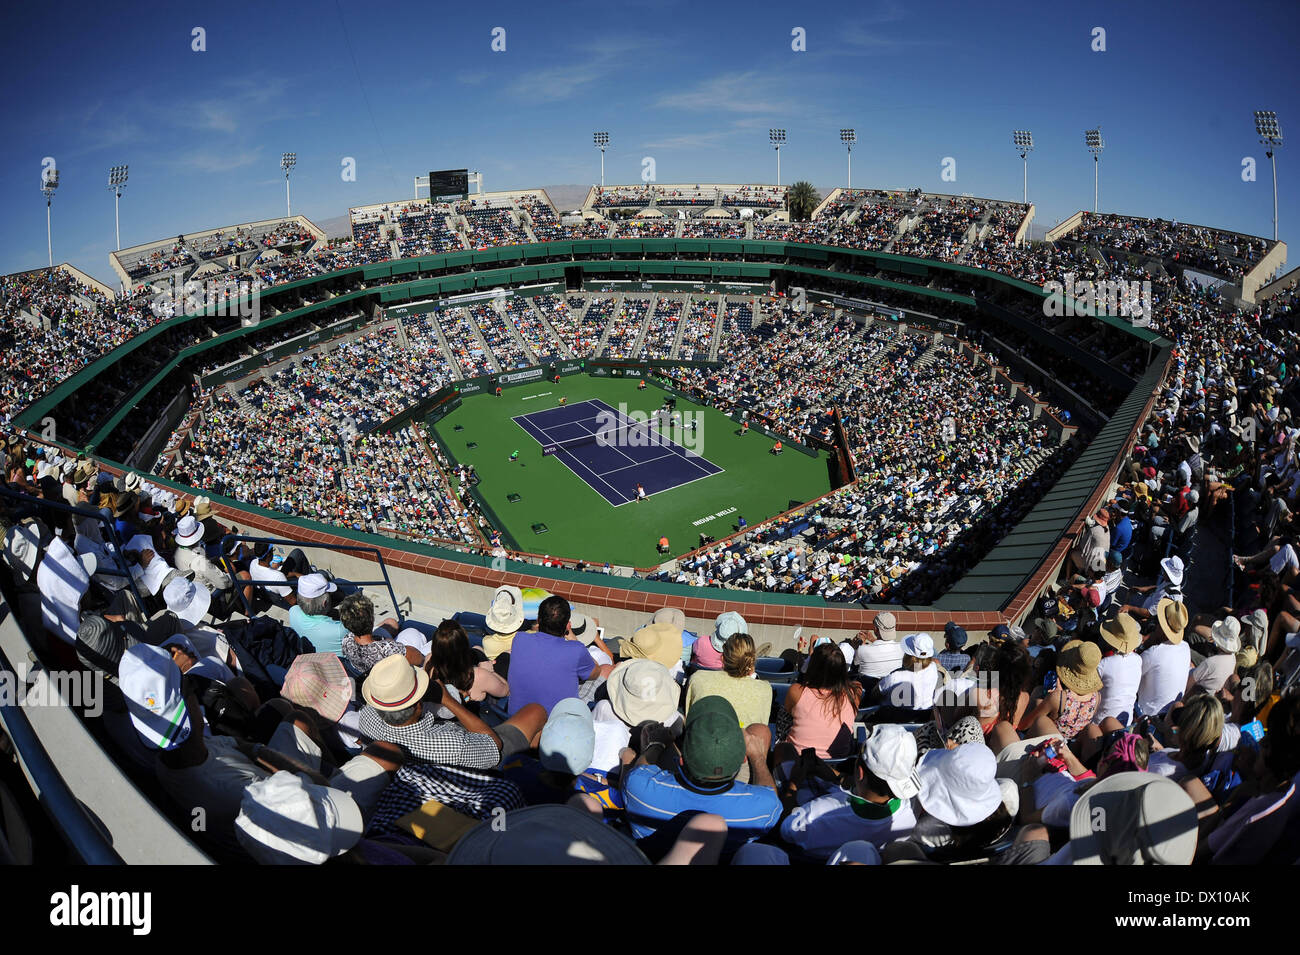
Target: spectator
364,644
880,653
310,614
877,809
823,705
662,786
953,659
1166,661
546,668
1120,669
913,685
737,682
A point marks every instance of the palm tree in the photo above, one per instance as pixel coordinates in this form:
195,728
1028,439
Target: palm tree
801,200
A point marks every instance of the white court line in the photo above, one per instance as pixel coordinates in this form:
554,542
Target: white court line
621,495
600,476
676,486
662,457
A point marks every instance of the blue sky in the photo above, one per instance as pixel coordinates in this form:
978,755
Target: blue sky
406,87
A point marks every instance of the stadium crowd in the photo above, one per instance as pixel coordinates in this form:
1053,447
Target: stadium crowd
310,728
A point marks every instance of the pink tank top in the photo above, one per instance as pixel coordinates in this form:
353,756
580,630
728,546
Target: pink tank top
814,728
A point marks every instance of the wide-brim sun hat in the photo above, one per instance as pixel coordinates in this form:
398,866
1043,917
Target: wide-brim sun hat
546,835
1122,633
1076,666
641,690
660,642
959,786
1171,617
1226,634
1134,818
1173,569
188,531
505,613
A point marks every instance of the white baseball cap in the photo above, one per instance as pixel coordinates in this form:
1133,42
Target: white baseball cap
919,645
890,753
315,585
151,683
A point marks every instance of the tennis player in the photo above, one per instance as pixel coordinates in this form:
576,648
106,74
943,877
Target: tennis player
640,492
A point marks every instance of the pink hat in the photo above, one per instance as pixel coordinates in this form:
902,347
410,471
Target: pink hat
319,682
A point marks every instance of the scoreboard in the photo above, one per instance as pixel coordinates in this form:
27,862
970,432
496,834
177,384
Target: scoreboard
449,184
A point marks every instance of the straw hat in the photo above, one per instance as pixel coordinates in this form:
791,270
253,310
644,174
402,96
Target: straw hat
1122,633
202,507
393,684
1076,667
660,642
1172,618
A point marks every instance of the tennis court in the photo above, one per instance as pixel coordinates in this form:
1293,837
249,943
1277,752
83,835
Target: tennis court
612,453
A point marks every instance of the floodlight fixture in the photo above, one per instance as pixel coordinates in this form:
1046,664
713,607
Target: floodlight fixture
117,182
601,139
1092,139
777,138
49,182
1270,135
848,137
287,162
1023,140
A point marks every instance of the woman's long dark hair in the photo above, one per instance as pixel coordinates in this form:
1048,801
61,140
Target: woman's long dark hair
1014,669
828,671
450,658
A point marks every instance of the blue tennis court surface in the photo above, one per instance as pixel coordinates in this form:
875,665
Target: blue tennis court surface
614,453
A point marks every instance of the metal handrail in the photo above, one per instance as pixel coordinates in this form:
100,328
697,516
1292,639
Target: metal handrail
83,836
106,524
239,585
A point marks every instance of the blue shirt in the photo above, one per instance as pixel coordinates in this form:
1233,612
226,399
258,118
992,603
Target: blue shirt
654,796
325,634
546,669
1122,535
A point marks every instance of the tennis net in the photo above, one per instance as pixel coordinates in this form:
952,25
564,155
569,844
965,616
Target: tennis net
625,434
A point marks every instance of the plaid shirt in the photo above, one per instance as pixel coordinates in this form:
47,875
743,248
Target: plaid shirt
467,791
954,662
448,744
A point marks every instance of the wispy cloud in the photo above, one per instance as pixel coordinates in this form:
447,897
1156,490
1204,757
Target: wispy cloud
214,161
590,65
740,92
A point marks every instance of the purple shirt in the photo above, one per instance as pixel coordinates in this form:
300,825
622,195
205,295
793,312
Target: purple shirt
546,669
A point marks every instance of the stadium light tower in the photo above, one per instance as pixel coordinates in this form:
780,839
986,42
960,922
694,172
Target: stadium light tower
848,137
117,182
49,182
777,137
287,162
1092,137
601,140
1024,143
1270,135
